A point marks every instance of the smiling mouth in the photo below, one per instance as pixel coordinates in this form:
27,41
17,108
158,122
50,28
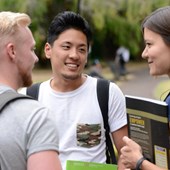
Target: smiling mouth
150,62
72,66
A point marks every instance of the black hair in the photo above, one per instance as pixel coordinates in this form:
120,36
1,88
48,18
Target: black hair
66,20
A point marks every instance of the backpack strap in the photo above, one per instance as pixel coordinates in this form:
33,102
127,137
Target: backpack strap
103,99
10,96
33,90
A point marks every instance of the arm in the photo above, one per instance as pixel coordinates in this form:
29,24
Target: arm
42,139
44,160
131,153
117,137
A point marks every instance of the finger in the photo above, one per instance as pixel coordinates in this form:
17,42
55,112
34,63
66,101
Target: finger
126,139
125,149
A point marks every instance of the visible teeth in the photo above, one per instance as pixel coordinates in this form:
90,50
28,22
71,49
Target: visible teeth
72,65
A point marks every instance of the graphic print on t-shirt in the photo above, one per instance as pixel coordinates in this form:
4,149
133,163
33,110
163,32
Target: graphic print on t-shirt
88,135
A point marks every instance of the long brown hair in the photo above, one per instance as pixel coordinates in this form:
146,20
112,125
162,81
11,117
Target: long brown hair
159,22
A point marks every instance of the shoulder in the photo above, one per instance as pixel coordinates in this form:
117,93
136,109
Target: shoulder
41,85
115,93
167,98
115,88
28,106
27,112
31,113
90,81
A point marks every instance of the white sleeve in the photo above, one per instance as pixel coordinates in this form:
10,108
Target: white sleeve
22,90
117,108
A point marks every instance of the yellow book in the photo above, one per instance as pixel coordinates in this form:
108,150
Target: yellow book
148,125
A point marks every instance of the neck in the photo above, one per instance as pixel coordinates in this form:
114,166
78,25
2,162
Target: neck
67,85
9,79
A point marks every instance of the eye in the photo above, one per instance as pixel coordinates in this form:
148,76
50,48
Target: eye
65,47
148,44
82,50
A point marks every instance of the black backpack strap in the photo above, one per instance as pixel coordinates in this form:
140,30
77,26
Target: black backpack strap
33,90
9,96
103,99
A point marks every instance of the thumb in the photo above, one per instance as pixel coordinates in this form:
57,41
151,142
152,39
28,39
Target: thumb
126,139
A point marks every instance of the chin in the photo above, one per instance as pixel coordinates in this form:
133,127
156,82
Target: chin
153,72
156,74
71,76
27,81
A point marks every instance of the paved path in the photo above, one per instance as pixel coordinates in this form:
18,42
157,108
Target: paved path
139,82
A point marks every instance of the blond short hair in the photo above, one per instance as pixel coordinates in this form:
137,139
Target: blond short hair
10,22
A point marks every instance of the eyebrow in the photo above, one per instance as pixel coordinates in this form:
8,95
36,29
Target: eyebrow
82,44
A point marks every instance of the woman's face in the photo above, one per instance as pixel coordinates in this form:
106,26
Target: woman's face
157,53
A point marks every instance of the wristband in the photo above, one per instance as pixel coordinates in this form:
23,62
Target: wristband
139,163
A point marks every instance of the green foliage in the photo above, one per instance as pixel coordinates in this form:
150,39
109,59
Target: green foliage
12,5
113,22
117,22
38,26
125,33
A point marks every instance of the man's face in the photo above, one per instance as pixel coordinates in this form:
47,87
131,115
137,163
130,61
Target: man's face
68,54
26,57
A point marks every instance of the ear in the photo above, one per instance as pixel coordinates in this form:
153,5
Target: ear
47,50
10,50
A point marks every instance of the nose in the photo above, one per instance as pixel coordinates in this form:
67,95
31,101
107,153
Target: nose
144,53
36,59
73,53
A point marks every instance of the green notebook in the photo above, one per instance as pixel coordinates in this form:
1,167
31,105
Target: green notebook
79,165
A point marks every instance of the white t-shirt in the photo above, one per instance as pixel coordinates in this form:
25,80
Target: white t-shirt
124,52
79,119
